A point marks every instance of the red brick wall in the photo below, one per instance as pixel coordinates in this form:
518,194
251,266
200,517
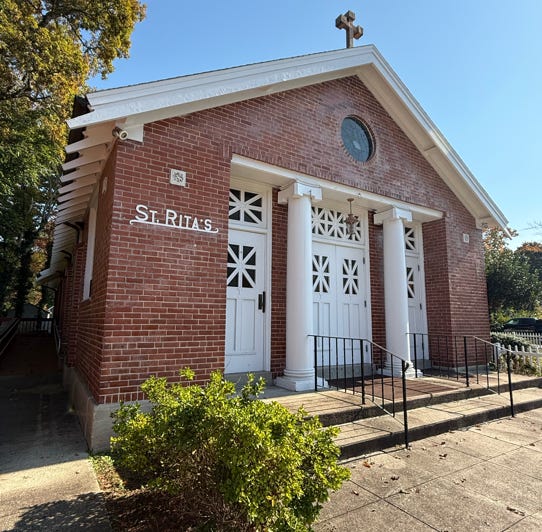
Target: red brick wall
165,289
71,296
90,313
376,260
278,282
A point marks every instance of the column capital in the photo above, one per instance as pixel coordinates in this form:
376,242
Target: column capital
394,213
297,189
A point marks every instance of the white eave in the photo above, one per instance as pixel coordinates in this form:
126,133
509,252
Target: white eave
130,108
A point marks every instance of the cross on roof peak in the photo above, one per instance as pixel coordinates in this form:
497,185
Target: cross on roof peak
345,22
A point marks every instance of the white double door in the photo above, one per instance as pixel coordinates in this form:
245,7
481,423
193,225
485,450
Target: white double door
246,302
340,306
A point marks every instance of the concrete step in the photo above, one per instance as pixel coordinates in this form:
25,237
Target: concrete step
335,407
434,405
375,433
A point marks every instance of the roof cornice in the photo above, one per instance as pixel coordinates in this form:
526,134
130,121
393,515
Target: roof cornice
134,106
187,94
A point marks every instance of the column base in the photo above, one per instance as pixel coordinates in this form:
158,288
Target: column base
410,373
296,383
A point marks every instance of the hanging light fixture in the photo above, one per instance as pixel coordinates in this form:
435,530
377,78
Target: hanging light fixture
351,220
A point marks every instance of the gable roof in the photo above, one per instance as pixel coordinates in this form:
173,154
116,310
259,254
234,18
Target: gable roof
130,108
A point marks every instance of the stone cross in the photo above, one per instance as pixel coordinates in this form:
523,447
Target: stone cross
345,22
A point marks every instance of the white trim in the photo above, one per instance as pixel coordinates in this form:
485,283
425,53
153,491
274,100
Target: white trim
188,94
132,107
90,169
91,241
331,191
83,182
148,102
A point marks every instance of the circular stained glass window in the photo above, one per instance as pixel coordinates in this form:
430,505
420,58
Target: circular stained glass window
356,139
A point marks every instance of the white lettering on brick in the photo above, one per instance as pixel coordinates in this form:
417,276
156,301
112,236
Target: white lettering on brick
173,219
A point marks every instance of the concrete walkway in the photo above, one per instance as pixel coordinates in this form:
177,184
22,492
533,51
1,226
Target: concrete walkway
488,477
46,479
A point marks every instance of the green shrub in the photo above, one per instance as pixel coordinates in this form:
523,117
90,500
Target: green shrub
235,462
509,340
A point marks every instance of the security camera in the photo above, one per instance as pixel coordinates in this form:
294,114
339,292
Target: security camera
121,134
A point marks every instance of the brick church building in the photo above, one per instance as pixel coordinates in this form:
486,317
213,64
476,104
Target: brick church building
218,220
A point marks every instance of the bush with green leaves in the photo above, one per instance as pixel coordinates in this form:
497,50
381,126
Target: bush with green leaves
520,363
509,340
234,462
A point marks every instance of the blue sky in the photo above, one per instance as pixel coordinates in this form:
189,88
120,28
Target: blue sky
475,66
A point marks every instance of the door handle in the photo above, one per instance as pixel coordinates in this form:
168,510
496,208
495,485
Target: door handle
261,301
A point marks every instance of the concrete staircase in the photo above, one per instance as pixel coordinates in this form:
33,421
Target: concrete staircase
369,428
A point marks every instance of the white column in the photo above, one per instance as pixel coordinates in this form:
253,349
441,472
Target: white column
299,372
395,285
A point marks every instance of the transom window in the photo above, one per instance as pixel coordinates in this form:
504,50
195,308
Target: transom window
332,224
410,239
246,207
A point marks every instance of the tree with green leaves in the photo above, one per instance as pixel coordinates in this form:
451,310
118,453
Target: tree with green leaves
533,252
48,50
512,284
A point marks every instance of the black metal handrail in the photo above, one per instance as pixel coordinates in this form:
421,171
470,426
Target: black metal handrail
361,366
57,338
498,352
459,357
8,334
33,325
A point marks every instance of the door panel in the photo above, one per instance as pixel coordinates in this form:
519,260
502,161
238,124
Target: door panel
245,337
339,296
416,307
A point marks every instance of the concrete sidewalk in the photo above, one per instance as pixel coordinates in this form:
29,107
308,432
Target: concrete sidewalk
46,479
488,477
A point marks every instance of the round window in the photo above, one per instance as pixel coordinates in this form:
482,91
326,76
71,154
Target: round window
356,139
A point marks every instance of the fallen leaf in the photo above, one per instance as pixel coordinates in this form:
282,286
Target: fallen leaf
515,510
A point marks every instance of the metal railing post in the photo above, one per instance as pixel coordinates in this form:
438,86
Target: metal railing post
466,360
404,367
415,336
362,373
509,369
315,363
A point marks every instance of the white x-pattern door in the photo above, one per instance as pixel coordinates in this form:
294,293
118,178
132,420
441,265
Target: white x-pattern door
415,286
340,293
247,297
